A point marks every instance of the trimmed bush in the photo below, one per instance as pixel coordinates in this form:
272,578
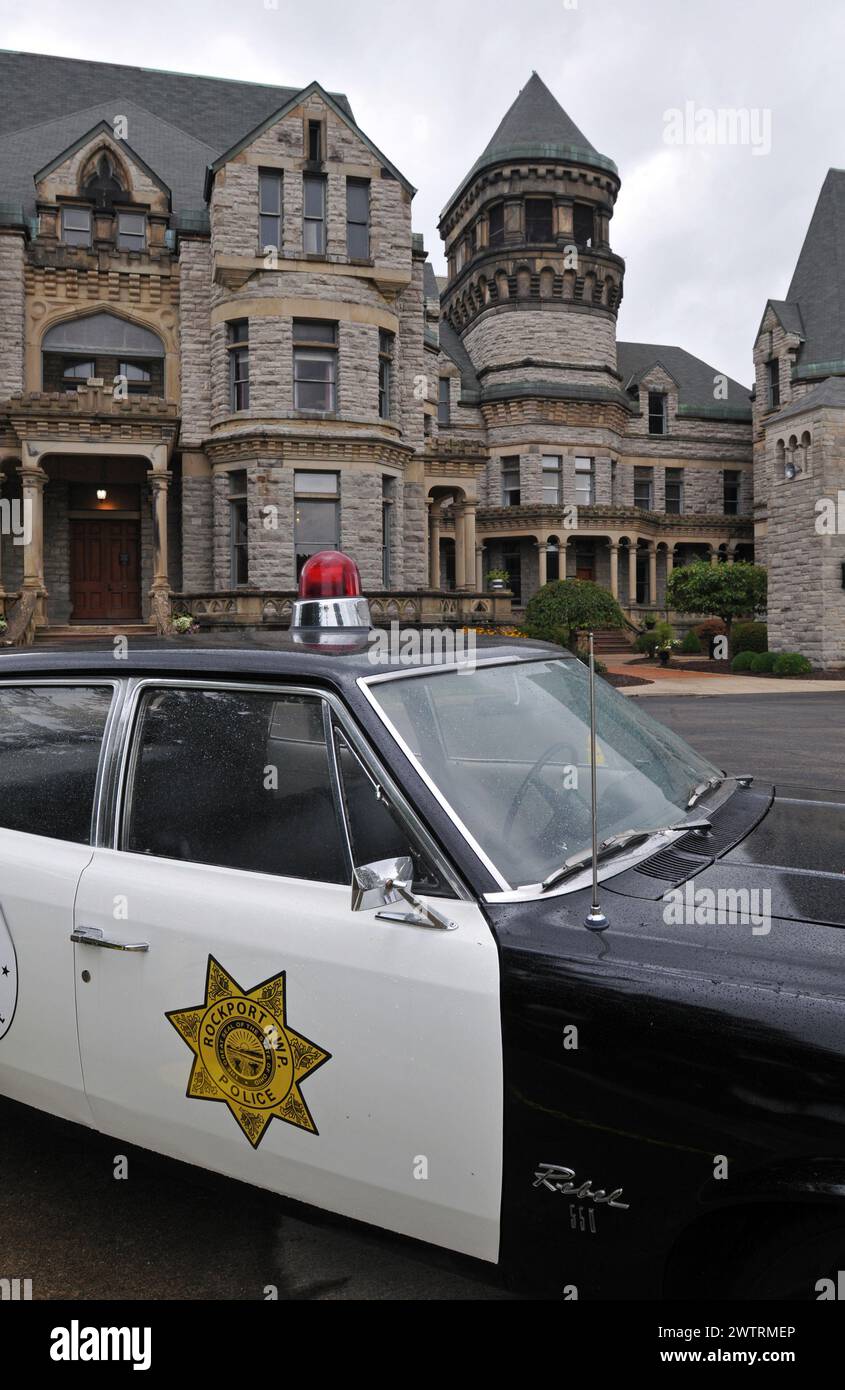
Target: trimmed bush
762,663
791,664
711,627
691,645
742,661
571,604
749,637
647,642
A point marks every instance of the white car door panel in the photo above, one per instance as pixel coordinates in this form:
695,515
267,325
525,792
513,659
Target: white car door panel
367,1081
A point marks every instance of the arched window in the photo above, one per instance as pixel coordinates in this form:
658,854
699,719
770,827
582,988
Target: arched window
102,345
101,181
806,445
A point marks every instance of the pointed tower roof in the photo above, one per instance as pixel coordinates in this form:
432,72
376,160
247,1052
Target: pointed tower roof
818,284
536,126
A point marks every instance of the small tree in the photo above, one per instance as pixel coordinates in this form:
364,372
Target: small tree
724,591
560,608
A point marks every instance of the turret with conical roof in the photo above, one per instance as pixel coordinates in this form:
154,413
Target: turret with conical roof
528,230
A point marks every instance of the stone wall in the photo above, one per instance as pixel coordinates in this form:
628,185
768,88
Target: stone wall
12,300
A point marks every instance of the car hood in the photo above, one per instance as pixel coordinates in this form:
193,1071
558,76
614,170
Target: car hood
791,846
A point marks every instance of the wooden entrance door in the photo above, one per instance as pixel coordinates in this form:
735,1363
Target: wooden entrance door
105,571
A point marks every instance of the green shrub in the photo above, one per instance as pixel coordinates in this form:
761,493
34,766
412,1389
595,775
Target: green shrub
791,664
571,604
742,661
749,637
691,644
648,642
645,643
762,663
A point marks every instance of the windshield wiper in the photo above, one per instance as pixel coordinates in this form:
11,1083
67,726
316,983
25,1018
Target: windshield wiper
624,839
701,788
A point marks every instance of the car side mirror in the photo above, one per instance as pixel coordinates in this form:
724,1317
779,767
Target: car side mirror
378,884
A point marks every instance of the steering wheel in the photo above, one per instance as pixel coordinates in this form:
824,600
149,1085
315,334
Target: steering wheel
546,792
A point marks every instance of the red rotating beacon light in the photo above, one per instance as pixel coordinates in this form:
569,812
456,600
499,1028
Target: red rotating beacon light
330,593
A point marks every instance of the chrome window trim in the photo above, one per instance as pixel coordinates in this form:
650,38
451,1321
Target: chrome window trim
125,738
113,683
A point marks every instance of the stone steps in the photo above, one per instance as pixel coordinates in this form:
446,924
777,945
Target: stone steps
82,631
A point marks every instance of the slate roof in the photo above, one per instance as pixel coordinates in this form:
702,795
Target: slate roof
536,126
828,393
178,123
818,284
694,377
430,285
451,344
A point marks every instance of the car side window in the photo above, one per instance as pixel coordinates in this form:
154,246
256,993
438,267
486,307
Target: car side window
50,741
376,829
234,778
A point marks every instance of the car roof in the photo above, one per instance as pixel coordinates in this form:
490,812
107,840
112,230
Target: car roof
258,654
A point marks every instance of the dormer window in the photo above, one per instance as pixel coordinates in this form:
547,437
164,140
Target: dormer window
657,412
583,225
773,383
131,231
76,226
315,141
538,219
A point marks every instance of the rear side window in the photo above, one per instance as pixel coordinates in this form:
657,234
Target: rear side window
238,779
50,740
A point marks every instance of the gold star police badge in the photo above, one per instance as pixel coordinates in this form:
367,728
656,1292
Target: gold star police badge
246,1055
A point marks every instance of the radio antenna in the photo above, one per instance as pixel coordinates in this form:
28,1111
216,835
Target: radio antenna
595,919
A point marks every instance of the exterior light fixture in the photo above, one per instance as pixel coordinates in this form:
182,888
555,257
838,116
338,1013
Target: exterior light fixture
101,494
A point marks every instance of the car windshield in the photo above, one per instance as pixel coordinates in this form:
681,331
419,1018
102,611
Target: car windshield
507,746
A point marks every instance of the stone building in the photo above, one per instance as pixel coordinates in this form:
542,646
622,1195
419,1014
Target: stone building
224,348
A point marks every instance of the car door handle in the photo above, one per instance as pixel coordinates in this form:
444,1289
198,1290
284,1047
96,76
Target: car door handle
92,936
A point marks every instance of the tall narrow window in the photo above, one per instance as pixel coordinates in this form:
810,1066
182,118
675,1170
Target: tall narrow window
76,226
315,141
238,347
643,488
585,484
583,225
510,481
656,412
270,209
385,373
674,491
387,488
238,529
443,402
773,382
496,224
357,219
316,519
730,491
131,231
314,365
314,215
538,219
552,494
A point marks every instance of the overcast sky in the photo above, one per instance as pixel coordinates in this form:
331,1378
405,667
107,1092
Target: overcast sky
709,232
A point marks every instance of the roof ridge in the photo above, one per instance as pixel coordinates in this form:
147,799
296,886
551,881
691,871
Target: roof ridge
161,72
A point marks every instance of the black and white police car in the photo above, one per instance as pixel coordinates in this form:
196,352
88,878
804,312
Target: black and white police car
323,924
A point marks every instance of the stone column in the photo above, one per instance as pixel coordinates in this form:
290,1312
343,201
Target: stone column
469,545
614,569
632,573
460,546
714,556
33,480
731,558
433,544
160,593
2,590
652,574
542,552
479,569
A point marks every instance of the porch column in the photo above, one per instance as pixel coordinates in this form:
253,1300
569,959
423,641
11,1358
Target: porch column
469,545
714,556
542,553
2,590
460,546
479,569
33,480
652,574
731,558
160,593
632,573
614,569
670,561
433,544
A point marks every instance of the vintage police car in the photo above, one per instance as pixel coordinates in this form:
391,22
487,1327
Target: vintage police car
317,922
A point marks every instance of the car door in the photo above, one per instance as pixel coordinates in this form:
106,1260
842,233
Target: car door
51,740
259,1026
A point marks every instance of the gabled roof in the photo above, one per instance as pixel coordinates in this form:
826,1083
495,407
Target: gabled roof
789,316
313,89
536,126
829,393
818,284
178,122
89,137
695,378
430,285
